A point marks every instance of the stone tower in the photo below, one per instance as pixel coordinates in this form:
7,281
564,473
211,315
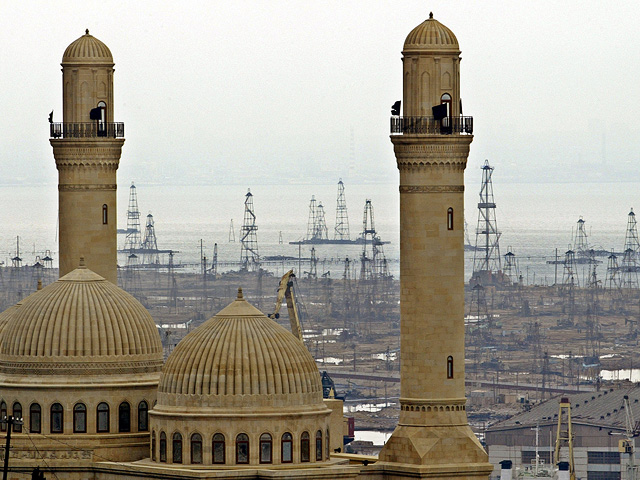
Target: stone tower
433,438
87,147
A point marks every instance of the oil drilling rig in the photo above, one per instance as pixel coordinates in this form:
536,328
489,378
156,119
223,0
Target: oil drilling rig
249,257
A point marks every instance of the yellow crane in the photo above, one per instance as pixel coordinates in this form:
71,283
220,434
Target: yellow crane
285,291
564,436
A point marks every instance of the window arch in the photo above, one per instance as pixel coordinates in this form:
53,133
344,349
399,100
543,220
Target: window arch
446,99
287,448
17,413
305,455
143,416
35,417
163,447
218,449
176,447
153,446
266,450
102,425
450,218
3,416
105,214
79,418
196,448
57,418
449,366
319,446
242,448
124,417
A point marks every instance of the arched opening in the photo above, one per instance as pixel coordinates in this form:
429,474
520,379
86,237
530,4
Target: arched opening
102,424
153,445
449,366
35,418
57,418
287,448
143,416
242,448
101,117
79,418
445,99
218,449
17,413
105,214
163,447
446,121
265,448
124,417
319,446
176,448
3,416
450,218
328,448
305,455
196,448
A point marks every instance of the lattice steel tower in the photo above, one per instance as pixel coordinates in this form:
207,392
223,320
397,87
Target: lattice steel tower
486,259
132,240
629,265
249,257
321,231
150,243
312,221
580,243
342,219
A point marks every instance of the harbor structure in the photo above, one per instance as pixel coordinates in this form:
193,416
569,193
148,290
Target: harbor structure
431,143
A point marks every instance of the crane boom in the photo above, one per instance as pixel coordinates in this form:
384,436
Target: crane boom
285,291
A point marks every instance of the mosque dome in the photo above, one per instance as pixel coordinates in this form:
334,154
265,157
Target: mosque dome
81,323
238,358
6,315
87,49
431,35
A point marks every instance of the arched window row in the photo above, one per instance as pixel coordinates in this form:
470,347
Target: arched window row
79,417
240,448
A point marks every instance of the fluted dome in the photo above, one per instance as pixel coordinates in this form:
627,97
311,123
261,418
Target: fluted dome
6,315
80,324
237,358
87,49
431,35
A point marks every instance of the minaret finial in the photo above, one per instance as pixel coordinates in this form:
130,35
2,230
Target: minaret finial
240,297
430,18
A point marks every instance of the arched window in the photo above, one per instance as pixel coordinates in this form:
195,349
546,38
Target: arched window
196,448
17,413
449,366
35,416
319,446
266,448
124,417
287,448
218,448
105,214
163,447
57,418
79,418
242,448
3,416
153,445
305,455
450,218
177,448
328,448
102,425
446,99
143,416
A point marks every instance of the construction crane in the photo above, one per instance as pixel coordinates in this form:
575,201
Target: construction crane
564,436
285,290
628,444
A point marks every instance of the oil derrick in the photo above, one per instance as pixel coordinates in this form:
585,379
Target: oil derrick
249,257
533,337
172,296
341,231
373,264
47,261
347,292
487,268
313,262
132,238
612,283
131,280
214,261
592,322
37,273
312,222
580,244
479,310
150,243
569,284
232,233
15,275
511,274
320,230
629,265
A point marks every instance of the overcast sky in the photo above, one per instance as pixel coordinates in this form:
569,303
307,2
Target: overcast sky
300,91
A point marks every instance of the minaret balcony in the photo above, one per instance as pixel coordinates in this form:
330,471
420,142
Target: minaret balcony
432,126
87,130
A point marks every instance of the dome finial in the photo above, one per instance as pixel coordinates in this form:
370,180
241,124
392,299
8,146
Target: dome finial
39,284
240,297
86,31
81,265
430,18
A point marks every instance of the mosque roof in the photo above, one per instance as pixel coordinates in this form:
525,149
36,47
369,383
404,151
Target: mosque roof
239,358
431,35
87,49
80,324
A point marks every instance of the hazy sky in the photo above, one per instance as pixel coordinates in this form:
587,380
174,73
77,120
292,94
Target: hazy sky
300,91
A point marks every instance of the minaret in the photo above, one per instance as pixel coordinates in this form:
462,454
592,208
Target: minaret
87,147
431,143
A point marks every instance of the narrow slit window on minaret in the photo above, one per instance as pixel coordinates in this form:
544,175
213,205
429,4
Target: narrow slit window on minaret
449,366
450,219
105,214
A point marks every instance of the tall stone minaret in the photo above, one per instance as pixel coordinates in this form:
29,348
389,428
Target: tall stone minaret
87,148
433,438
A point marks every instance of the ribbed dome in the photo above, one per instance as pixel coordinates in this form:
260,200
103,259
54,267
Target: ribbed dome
431,35
84,322
238,354
6,315
87,49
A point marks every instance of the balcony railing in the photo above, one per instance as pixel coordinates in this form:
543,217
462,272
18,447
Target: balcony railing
86,130
429,125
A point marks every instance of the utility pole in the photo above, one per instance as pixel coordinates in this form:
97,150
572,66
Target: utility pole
10,421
